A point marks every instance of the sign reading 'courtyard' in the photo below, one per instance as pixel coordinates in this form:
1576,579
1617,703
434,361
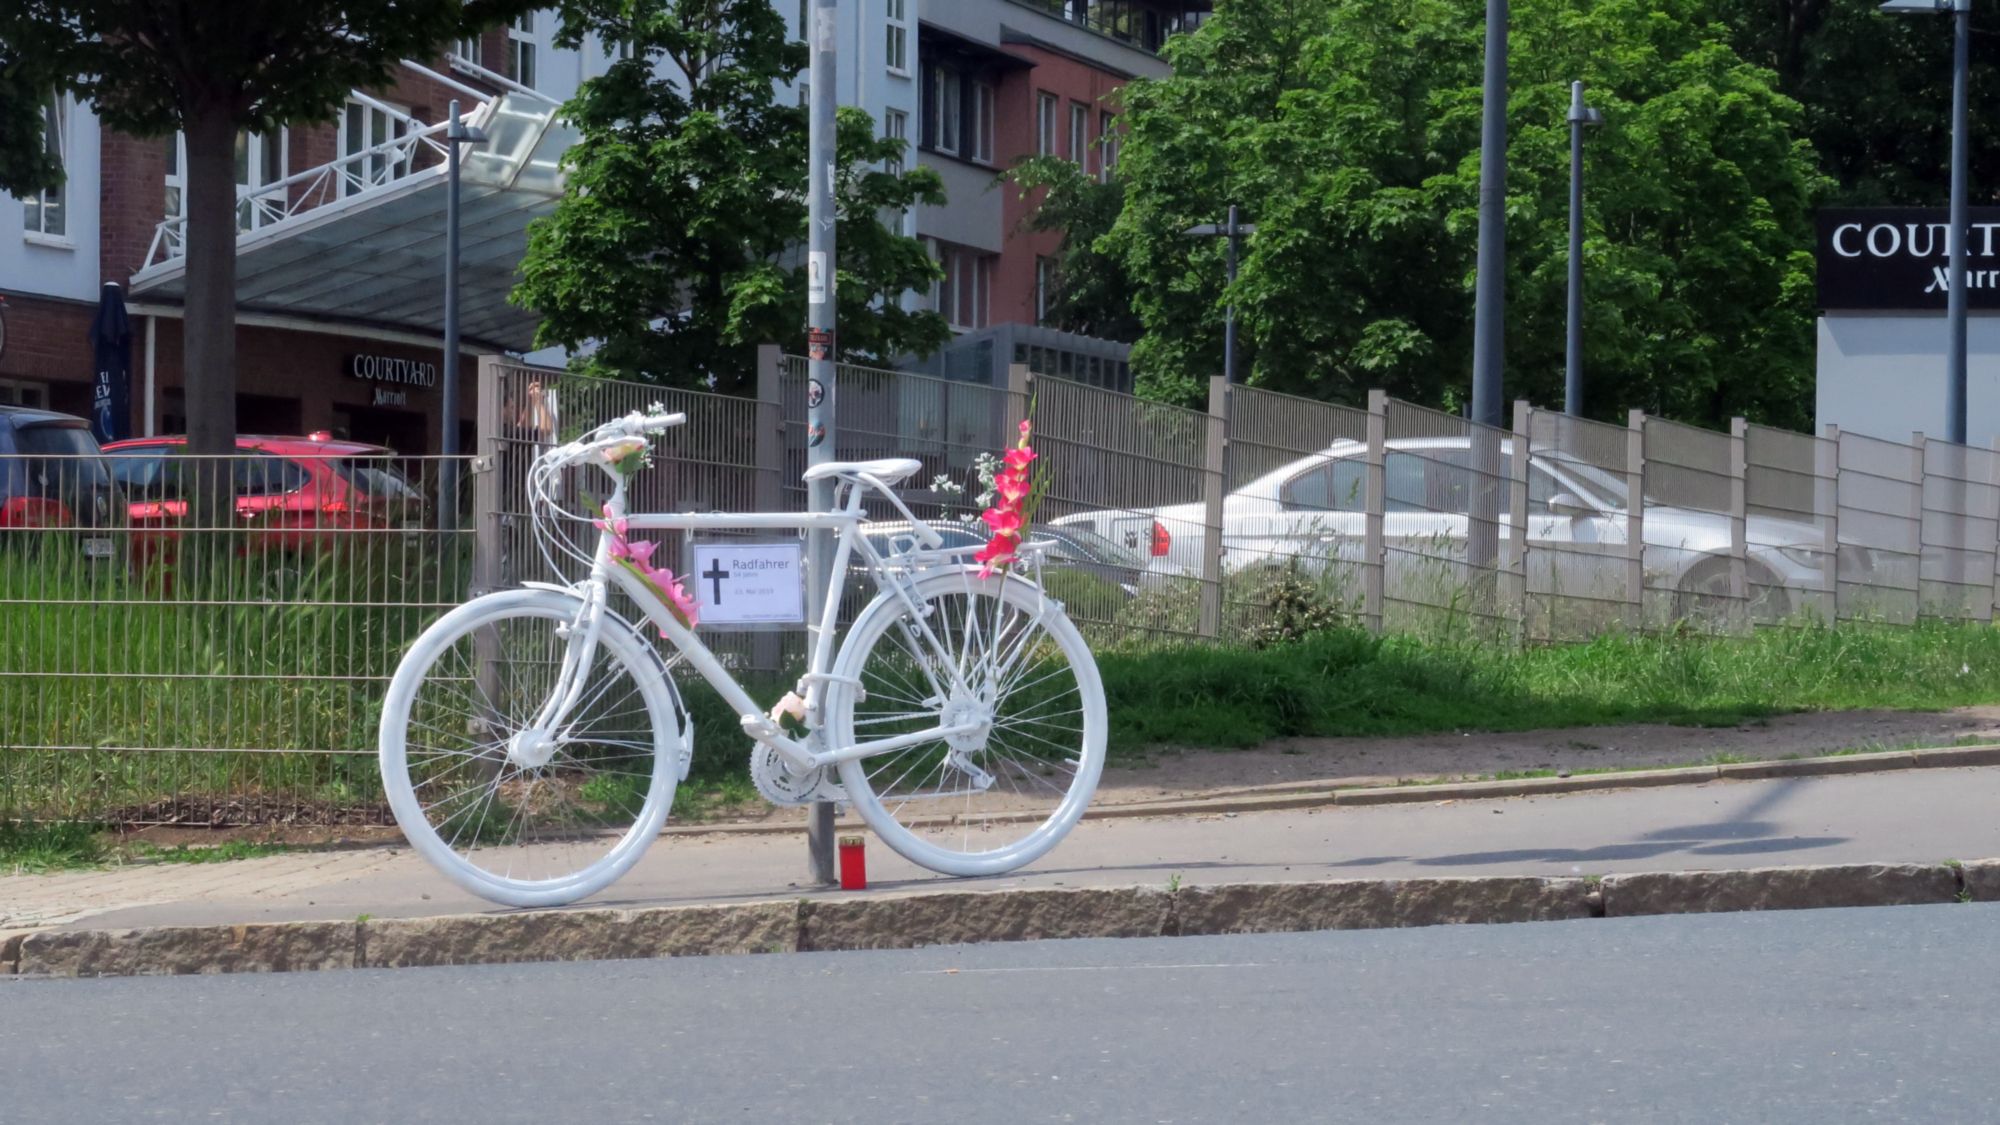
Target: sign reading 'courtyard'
1899,258
748,583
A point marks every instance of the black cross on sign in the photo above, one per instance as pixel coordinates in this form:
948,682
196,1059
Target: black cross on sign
716,574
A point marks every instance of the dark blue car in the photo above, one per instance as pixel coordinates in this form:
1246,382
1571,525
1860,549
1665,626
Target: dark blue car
53,477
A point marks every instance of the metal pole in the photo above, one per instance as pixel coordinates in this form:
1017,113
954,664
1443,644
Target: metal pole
448,443
1955,294
1489,313
1490,308
1229,310
1573,353
820,302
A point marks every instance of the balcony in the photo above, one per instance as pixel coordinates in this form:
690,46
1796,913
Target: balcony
1144,24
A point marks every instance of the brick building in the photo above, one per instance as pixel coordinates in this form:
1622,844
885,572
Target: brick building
341,225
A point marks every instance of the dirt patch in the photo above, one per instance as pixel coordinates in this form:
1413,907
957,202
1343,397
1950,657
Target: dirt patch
1382,761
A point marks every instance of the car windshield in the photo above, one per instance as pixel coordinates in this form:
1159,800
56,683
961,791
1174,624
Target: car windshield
1604,486
379,479
70,453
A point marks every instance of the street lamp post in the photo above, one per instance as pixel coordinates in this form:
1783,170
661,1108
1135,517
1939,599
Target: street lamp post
1961,63
822,301
1490,299
1234,232
1580,117
456,136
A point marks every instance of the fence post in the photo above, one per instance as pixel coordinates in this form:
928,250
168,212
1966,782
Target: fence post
1918,441
1517,519
768,490
1020,385
486,481
1214,487
1993,601
1827,462
1374,552
1635,520
1739,524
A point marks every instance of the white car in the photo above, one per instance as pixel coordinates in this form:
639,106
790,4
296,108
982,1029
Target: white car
1311,512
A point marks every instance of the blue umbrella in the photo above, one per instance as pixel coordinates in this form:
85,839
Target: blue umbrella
111,352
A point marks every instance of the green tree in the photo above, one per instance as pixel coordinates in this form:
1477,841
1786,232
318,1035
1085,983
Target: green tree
1348,131
1093,295
211,70
675,249
1877,93
25,164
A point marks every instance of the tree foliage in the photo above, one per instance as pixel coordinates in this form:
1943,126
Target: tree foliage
210,70
25,164
1348,131
1093,294
1877,93
676,247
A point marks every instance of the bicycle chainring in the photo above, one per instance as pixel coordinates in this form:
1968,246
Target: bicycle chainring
781,784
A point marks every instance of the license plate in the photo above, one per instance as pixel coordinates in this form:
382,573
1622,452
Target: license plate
97,548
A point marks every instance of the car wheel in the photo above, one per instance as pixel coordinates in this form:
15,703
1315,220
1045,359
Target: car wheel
1703,594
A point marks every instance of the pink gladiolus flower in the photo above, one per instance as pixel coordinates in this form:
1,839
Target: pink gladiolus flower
1018,459
1026,429
1005,521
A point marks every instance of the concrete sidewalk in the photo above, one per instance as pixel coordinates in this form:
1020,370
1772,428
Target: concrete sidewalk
1905,816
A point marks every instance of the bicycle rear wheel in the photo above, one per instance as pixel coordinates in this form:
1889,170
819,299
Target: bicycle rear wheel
511,811
991,653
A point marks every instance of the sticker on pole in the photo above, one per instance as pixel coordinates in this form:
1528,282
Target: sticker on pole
749,585
816,277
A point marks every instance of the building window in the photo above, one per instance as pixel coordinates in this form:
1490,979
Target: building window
1107,131
46,213
1045,125
1045,289
982,123
364,162
897,51
1079,133
13,392
467,48
896,127
962,294
945,109
261,163
521,44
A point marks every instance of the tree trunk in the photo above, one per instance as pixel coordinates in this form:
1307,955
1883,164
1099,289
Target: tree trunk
208,332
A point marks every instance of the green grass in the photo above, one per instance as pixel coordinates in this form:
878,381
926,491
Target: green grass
210,678
1347,683
35,849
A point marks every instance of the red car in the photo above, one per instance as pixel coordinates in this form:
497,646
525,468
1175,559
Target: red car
297,495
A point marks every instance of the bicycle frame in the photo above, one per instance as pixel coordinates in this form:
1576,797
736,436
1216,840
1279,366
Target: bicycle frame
895,574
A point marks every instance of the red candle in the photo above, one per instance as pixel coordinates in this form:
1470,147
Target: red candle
853,865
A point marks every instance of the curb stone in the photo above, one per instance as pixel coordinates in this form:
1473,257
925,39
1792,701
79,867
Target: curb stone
954,917
1779,888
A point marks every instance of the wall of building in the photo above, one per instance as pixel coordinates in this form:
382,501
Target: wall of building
1073,83
1884,375
66,266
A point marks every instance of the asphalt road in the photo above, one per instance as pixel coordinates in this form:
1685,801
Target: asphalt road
1812,1016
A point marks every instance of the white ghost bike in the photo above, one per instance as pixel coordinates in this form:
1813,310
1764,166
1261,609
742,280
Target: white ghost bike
531,739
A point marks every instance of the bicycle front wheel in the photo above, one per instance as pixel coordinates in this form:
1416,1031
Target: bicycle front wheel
514,803
991,654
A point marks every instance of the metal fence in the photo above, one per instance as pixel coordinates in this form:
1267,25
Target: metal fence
215,652
210,645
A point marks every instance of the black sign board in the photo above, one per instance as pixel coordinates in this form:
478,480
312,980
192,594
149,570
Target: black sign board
1899,258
